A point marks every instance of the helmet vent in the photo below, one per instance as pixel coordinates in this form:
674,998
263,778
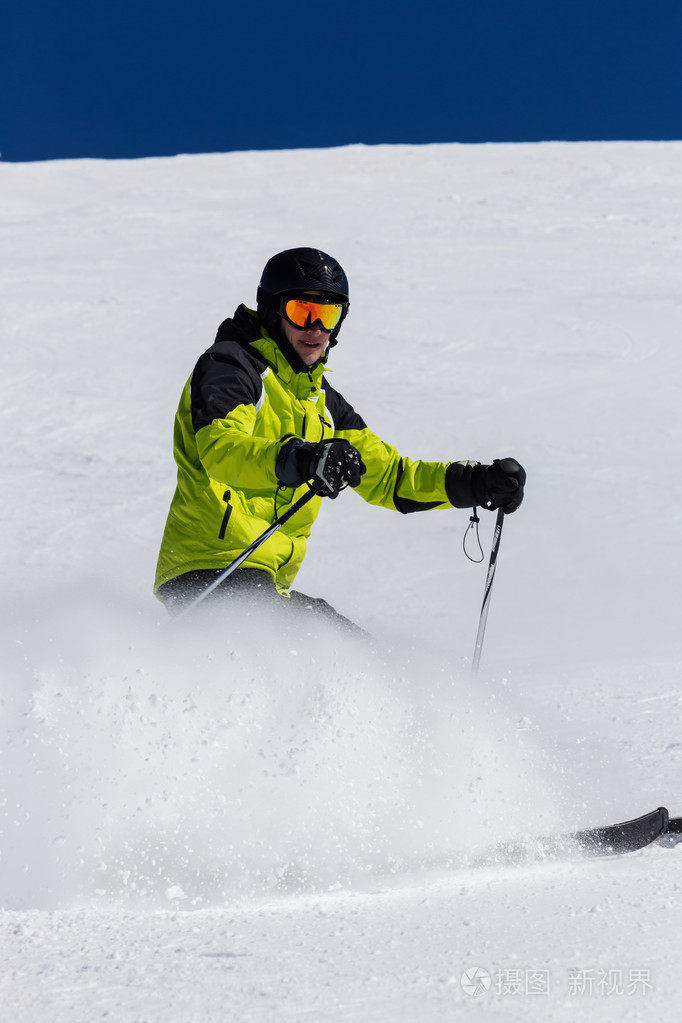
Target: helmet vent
303,269
329,278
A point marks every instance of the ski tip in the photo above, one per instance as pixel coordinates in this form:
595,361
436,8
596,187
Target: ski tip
629,836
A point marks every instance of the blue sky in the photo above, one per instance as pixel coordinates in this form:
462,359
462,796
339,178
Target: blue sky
151,78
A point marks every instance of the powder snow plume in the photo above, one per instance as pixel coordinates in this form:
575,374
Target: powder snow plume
211,758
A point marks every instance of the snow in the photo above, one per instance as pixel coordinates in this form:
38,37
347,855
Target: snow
221,820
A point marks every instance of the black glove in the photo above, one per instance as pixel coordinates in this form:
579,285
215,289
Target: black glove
499,485
334,463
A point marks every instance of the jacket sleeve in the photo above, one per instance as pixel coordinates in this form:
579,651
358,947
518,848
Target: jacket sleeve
393,481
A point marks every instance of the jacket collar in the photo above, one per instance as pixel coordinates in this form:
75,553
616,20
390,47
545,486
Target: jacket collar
248,331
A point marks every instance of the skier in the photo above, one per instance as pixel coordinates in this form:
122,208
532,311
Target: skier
257,421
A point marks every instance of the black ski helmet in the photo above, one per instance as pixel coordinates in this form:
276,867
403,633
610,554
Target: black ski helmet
300,270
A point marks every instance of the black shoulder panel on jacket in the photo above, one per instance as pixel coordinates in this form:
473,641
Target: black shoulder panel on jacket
229,373
343,414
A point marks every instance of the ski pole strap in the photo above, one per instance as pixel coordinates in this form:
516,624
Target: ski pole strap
473,527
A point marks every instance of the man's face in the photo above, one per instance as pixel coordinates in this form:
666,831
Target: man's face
309,344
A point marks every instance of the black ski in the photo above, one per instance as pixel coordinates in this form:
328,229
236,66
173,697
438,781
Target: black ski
626,837
611,840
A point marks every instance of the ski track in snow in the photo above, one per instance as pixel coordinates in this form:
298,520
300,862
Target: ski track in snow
197,824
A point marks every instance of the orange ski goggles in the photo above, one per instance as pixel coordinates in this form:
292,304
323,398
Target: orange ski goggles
305,313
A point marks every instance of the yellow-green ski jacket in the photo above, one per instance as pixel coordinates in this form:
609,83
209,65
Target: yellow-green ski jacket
245,398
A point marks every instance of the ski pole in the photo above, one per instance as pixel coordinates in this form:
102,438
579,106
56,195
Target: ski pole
248,551
486,596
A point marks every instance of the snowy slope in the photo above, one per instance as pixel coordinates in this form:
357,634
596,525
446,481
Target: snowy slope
195,828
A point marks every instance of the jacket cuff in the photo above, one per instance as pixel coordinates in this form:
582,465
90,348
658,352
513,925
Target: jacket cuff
293,461
463,484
